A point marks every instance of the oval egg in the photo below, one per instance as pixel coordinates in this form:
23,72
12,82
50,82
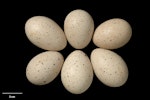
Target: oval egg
44,67
79,27
109,67
112,34
77,72
45,33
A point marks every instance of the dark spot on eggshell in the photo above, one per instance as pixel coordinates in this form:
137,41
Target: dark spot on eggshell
42,63
44,81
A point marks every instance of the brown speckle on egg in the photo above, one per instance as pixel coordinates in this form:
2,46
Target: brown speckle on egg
44,82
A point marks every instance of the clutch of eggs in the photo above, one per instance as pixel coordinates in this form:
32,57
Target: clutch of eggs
77,69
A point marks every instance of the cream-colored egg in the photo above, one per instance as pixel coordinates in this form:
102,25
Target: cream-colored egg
79,28
44,67
45,33
77,72
109,67
112,34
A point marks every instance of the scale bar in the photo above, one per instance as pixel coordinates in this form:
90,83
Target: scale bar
12,92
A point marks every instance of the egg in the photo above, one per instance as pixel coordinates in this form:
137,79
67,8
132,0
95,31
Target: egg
109,67
77,72
112,34
45,33
79,28
44,67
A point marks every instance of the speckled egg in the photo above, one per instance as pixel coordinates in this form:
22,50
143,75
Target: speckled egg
77,72
45,33
109,67
44,67
112,34
79,27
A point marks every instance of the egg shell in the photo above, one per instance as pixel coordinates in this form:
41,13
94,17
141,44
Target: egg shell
44,67
77,72
45,33
79,28
109,67
112,34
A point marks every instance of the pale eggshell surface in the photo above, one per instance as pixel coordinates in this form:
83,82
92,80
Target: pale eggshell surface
109,67
44,67
79,27
77,72
112,34
45,33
